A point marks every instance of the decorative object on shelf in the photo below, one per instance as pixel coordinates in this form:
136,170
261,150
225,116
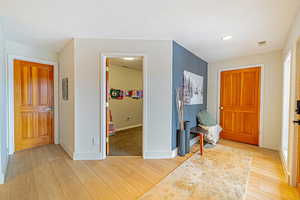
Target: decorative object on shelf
180,112
116,94
120,94
193,88
65,89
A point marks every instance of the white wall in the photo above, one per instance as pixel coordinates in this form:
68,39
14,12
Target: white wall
3,111
13,48
127,112
66,66
293,46
272,92
87,93
17,49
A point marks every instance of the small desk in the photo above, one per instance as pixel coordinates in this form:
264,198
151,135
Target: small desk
199,132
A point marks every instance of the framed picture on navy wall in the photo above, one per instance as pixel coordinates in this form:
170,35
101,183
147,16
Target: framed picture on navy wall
193,88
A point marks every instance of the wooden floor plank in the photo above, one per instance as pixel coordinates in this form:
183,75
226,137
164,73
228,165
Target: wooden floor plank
50,189
120,186
48,173
93,184
136,180
21,182
70,183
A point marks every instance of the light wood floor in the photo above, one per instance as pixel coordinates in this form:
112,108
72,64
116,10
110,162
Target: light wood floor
127,142
47,173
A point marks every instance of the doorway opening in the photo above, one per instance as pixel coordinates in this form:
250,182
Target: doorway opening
124,105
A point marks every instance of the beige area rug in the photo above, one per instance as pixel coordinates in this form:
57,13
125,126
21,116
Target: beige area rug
220,174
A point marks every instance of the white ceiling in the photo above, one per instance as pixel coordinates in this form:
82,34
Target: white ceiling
196,24
136,64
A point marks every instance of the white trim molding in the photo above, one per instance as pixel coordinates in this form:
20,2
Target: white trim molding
3,173
192,142
67,150
284,166
262,78
87,156
129,127
10,70
102,111
158,154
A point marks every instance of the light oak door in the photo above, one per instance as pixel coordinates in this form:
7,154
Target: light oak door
34,104
240,105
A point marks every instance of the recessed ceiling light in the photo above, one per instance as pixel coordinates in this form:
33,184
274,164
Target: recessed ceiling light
128,58
228,37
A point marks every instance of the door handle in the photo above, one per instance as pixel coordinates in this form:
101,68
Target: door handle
221,108
49,109
296,122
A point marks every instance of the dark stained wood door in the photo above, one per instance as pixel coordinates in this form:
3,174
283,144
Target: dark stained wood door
34,104
240,105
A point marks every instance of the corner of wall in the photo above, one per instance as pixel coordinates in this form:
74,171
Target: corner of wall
3,102
67,109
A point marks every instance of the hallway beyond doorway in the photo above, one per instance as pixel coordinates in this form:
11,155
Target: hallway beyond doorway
127,142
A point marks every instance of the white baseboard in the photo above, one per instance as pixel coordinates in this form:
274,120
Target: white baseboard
167,154
3,173
192,142
67,150
285,170
82,155
129,127
158,154
87,156
174,152
2,178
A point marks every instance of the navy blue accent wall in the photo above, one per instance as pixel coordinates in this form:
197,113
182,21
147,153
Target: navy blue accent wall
184,60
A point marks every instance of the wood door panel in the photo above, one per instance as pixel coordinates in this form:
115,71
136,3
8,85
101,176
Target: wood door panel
25,84
240,93
33,96
26,125
227,89
249,89
250,124
236,89
227,120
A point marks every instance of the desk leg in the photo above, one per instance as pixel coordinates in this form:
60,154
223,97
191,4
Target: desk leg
201,144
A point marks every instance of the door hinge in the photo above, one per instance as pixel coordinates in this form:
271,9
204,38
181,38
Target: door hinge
106,139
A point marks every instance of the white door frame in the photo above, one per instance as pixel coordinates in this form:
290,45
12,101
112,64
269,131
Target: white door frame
103,57
284,159
10,70
261,133
292,165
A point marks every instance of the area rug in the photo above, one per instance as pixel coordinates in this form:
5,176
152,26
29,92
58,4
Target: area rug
220,174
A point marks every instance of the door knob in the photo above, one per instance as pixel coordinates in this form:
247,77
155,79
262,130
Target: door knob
49,109
297,122
221,107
